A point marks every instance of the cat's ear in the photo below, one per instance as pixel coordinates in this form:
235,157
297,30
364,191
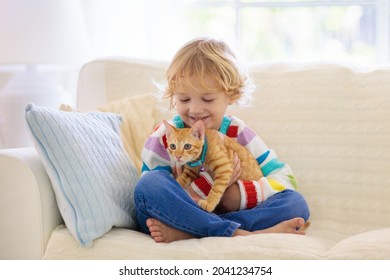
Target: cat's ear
169,128
198,130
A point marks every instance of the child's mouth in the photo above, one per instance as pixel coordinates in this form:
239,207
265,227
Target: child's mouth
198,118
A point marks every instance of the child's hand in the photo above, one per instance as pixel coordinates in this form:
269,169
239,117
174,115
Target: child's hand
236,170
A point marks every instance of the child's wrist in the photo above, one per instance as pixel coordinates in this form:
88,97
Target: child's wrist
202,185
251,194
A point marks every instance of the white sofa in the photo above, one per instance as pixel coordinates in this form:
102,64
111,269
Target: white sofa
330,122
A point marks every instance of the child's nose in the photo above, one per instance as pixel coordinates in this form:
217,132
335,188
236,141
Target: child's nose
196,109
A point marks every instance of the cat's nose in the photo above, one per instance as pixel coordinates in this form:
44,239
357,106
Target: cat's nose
178,157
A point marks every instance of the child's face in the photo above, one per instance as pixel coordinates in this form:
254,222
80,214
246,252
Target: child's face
193,102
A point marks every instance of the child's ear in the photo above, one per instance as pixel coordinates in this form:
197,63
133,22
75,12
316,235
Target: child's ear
231,101
198,130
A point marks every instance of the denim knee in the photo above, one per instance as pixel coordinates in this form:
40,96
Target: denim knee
151,182
300,206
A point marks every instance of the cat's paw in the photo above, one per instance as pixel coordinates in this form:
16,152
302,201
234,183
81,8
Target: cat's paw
206,206
182,182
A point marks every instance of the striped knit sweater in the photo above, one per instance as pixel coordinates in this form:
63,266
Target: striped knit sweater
277,175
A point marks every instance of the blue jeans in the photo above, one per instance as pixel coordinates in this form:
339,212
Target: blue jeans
158,195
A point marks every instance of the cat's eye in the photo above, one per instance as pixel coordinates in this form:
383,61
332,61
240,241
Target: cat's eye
172,146
187,146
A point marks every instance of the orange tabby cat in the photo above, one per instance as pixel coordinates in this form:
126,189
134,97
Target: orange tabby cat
198,147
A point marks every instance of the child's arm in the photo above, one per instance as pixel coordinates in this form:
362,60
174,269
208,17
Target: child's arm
154,154
278,176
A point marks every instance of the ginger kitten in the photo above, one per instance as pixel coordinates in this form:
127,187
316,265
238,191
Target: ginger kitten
198,147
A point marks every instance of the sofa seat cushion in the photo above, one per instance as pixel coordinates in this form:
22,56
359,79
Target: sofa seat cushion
374,245
122,243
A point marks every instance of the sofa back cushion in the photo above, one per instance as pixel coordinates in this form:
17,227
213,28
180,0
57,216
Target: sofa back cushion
330,122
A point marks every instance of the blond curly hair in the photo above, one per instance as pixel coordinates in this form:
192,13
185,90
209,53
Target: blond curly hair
207,57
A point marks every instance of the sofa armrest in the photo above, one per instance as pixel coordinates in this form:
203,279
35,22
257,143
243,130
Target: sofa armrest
28,209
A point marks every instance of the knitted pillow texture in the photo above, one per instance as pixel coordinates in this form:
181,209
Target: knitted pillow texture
92,176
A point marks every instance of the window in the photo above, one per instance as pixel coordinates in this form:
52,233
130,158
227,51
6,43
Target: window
357,31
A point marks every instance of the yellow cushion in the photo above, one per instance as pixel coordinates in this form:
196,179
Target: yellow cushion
138,121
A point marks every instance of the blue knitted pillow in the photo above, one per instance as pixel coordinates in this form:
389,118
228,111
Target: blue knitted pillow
92,176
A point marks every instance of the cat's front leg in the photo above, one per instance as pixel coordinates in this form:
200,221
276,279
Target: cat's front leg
187,176
220,184
209,207
183,180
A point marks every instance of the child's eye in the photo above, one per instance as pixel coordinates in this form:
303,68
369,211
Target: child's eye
208,100
184,100
172,146
187,146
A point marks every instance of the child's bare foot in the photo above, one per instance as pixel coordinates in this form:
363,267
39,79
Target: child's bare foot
160,232
295,226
